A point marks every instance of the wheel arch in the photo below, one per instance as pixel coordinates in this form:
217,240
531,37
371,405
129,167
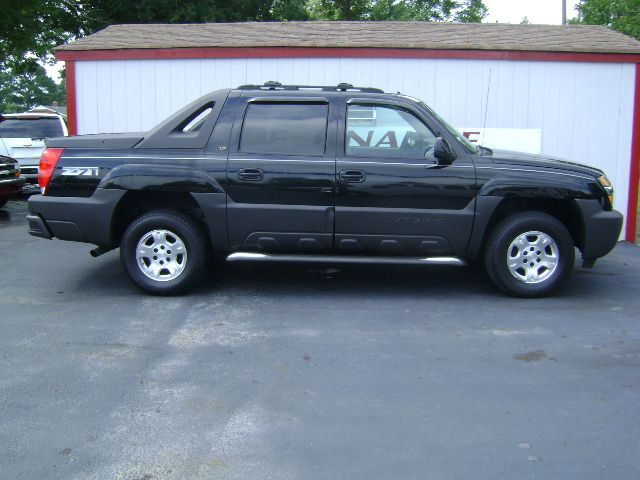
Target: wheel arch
137,202
491,210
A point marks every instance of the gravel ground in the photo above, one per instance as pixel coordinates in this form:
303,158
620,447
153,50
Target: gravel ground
291,372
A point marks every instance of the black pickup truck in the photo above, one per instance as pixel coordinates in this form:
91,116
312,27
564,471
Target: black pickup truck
319,174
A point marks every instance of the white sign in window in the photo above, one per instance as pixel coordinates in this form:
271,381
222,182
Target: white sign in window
527,140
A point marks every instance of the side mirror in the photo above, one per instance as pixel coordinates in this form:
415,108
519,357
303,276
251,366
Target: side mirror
442,151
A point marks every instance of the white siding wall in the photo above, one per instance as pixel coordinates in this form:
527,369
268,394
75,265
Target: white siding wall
584,110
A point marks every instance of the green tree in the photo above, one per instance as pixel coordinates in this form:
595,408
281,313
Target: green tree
107,12
620,15
339,9
428,10
29,29
19,93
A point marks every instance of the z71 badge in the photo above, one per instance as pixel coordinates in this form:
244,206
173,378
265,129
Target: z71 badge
80,171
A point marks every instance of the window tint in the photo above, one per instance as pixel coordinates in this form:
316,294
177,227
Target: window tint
31,128
387,132
285,128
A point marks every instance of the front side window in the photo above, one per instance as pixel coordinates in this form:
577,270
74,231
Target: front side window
285,128
386,131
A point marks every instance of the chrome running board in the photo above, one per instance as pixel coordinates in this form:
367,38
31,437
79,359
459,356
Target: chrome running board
277,257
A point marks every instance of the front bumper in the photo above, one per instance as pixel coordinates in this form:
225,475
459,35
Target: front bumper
601,229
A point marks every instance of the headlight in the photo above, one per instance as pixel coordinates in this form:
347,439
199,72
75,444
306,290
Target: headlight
606,184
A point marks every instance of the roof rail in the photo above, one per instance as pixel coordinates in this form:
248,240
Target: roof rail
341,87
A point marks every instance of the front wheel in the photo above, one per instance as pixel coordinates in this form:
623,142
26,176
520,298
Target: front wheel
164,252
529,254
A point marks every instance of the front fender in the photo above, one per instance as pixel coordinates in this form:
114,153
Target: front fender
546,186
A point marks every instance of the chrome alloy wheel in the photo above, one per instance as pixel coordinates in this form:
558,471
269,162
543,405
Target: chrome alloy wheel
161,255
532,257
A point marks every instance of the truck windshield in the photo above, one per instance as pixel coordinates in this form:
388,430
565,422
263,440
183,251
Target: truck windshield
470,147
30,128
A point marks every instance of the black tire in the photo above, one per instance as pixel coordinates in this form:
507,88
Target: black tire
172,230
523,265
3,201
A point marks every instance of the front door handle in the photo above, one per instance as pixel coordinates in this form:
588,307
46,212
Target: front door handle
251,174
352,176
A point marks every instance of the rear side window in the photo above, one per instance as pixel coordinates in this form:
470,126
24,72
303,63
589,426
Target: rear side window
31,128
285,128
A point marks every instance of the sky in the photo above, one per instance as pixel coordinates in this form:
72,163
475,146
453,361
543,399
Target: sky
501,11
538,11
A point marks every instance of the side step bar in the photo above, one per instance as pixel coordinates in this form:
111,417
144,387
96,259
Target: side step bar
276,257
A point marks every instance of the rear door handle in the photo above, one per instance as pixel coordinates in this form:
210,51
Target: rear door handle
251,174
352,176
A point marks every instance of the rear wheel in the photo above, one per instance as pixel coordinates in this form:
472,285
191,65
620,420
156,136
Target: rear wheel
164,252
529,254
3,200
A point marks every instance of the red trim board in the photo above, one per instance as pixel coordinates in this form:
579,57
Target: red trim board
307,52
634,173
72,110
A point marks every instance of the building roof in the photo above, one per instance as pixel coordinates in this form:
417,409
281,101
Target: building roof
416,35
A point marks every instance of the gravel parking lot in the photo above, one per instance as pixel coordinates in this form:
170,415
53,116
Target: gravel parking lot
299,372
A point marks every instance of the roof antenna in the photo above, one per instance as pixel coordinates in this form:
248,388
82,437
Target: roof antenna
486,107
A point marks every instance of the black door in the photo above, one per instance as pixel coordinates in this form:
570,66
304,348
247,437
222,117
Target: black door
393,197
281,175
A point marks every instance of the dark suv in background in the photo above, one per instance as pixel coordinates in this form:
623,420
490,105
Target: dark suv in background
320,174
10,180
